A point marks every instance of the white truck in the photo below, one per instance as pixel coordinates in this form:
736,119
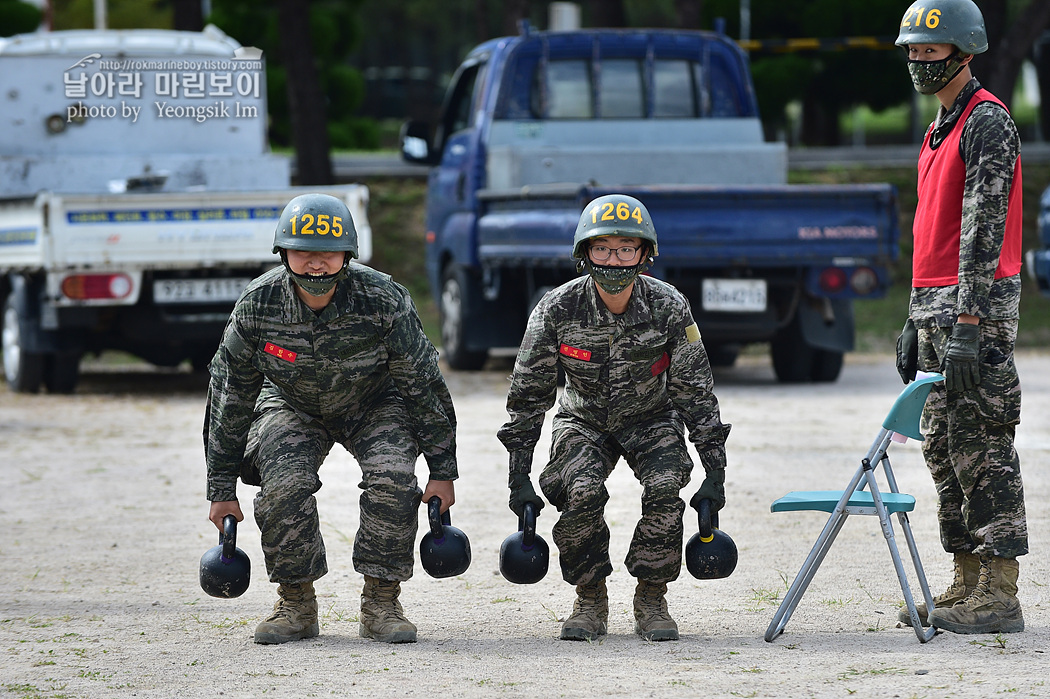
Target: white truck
138,196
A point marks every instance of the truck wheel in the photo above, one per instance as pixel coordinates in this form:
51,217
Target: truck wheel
23,371
722,355
827,365
792,357
61,372
454,302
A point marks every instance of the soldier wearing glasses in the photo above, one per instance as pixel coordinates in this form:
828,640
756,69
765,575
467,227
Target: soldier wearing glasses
636,376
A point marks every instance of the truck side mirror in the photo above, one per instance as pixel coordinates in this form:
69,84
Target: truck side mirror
415,144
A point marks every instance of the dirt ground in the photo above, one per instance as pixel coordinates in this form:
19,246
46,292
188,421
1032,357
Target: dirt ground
103,522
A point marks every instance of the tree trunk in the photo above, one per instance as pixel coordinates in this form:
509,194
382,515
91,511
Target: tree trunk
189,16
306,101
513,12
688,13
608,13
1008,46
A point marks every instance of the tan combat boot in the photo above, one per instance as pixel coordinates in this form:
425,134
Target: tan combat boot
992,607
590,613
294,615
967,571
382,617
651,618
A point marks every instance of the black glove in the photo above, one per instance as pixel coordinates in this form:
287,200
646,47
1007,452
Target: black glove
713,489
908,352
960,366
522,493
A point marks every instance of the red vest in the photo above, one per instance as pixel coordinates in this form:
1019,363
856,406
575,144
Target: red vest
938,216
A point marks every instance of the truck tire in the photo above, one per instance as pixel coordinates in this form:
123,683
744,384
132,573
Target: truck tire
796,361
827,365
61,372
453,304
23,371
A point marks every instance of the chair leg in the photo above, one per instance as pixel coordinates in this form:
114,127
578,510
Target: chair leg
805,575
887,531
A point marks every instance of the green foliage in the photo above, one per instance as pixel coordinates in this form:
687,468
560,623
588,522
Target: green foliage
18,17
120,14
832,81
335,30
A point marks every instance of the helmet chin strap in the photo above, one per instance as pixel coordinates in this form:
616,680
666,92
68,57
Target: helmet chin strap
316,285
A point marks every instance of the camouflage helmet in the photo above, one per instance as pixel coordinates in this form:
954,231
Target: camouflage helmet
316,222
956,22
613,214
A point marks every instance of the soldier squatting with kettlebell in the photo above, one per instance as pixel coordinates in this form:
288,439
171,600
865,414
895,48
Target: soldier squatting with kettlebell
316,352
636,376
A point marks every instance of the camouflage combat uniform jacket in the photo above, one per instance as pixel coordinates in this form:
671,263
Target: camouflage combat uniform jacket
367,347
620,371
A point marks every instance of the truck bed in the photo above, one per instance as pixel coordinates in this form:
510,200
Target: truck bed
168,230
702,226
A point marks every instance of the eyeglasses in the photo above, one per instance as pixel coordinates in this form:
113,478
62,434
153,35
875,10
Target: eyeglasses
601,253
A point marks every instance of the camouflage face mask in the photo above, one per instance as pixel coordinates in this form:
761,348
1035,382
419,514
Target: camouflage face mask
930,77
611,279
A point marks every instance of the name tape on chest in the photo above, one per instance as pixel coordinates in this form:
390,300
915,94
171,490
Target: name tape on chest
575,352
279,352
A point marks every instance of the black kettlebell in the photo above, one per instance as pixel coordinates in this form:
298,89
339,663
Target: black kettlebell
711,553
524,555
444,551
225,569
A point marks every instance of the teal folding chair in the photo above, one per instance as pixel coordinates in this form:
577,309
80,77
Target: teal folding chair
903,419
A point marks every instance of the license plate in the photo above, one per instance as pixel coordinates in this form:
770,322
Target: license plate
227,289
735,295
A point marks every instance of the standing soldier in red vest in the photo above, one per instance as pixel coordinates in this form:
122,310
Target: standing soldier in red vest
963,315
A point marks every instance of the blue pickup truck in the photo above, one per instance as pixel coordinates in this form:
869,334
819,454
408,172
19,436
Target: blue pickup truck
535,126
1038,261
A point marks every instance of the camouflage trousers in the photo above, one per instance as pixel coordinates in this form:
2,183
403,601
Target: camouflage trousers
969,447
574,482
286,451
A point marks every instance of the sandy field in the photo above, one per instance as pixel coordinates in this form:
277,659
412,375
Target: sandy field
104,521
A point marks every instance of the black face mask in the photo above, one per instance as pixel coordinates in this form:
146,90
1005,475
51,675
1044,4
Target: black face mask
317,285
930,77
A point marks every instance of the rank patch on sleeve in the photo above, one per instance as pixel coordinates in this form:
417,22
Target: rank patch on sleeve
279,352
692,333
661,364
575,352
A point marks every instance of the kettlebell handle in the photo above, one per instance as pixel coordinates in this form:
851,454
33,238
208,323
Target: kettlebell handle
708,520
228,537
527,526
437,520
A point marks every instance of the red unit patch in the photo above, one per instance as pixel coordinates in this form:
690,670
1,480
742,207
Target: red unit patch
662,363
575,352
279,352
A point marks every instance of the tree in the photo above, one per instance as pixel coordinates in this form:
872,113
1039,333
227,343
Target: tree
1010,43
306,100
18,17
188,15
333,28
607,13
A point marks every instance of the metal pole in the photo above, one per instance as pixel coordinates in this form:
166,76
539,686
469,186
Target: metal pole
745,20
100,14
